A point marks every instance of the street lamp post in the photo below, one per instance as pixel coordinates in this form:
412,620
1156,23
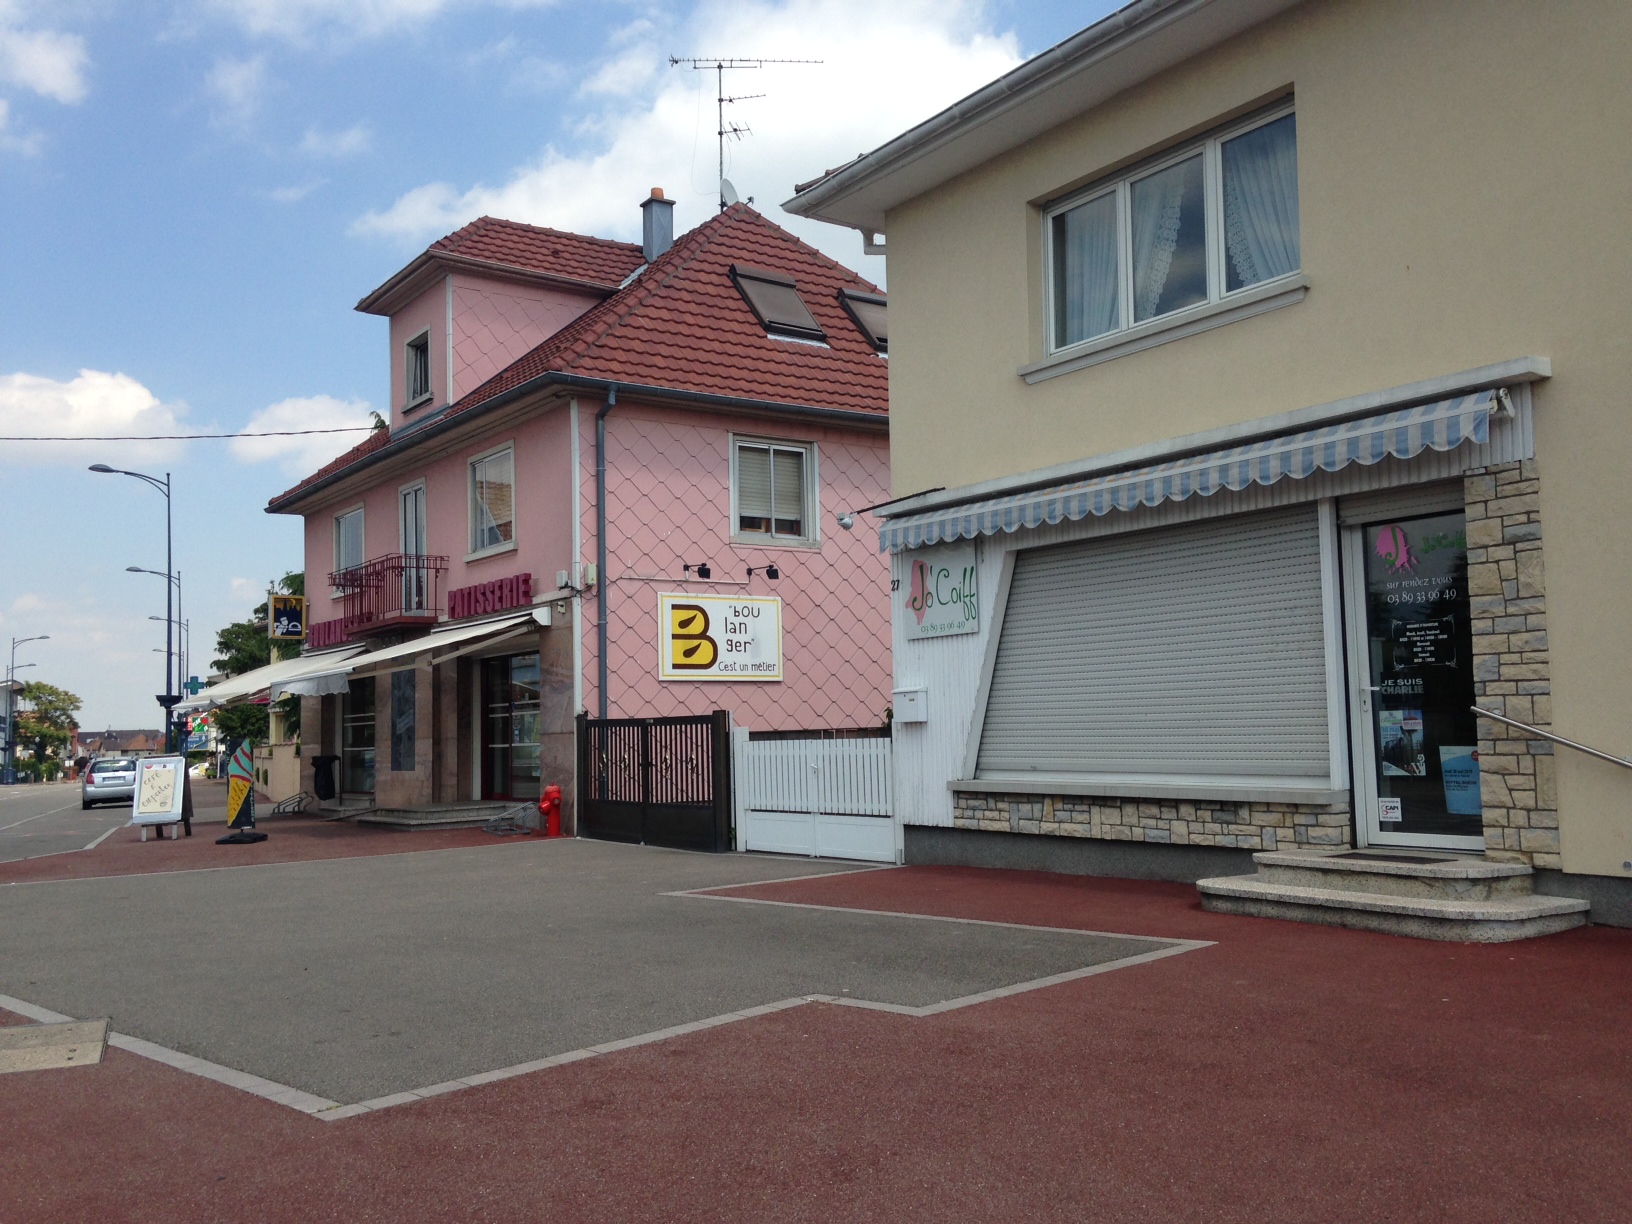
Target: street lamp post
168,701
10,773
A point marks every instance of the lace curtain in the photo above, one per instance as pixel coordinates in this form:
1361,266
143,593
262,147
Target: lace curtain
1085,271
1261,204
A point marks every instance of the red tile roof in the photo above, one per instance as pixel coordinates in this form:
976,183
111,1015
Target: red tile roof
534,248
682,325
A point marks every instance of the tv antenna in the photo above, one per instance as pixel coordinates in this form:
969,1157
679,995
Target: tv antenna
720,66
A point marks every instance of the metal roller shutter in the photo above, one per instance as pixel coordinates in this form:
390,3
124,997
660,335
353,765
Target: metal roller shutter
1195,652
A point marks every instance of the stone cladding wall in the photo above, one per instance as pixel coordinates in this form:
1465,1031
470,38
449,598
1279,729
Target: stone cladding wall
1511,672
1178,822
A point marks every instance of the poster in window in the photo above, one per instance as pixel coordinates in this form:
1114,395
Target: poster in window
940,596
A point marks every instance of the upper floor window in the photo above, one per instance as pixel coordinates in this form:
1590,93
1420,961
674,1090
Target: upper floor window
419,367
493,500
348,539
1206,222
773,491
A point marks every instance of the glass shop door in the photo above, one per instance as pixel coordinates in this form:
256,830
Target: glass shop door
1416,757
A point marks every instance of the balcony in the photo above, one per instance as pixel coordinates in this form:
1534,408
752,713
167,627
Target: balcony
396,591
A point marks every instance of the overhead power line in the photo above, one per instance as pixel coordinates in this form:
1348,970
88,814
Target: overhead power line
270,433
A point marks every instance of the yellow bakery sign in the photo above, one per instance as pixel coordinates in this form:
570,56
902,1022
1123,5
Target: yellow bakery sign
710,637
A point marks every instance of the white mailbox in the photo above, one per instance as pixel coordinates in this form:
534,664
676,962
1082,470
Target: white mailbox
911,705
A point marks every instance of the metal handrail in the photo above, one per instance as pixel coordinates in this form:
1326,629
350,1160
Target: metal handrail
1557,739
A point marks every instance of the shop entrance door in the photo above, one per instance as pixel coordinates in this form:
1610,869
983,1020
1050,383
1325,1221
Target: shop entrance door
510,728
1415,741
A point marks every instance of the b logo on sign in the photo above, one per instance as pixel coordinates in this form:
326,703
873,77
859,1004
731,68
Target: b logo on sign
690,646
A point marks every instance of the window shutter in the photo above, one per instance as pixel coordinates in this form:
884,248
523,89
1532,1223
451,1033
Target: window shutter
1192,653
753,486
788,471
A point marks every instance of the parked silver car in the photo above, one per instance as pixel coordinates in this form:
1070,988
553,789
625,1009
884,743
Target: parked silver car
108,780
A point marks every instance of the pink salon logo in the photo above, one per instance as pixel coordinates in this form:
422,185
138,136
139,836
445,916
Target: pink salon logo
1394,547
918,593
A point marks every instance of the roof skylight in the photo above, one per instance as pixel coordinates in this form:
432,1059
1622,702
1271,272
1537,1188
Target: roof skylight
870,311
774,299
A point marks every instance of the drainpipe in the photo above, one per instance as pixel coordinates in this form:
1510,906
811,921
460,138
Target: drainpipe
600,540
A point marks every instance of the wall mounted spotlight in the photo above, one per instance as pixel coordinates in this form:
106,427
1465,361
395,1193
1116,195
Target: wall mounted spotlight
847,520
702,570
770,571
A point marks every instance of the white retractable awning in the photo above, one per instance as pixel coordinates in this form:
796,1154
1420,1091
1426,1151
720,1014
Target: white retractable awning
335,679
1440,426
248,685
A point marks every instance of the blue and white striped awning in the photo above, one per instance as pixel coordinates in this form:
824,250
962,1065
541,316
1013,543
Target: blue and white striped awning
1440,426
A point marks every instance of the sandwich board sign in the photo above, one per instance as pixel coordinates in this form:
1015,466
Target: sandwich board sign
161,793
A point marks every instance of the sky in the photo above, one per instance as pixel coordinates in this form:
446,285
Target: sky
194,194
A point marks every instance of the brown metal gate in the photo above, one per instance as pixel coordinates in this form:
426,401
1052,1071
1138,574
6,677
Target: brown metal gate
657,781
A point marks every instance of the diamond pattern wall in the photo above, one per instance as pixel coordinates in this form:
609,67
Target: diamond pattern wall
669,503
495,323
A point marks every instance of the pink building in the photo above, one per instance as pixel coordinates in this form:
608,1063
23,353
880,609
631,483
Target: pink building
719,403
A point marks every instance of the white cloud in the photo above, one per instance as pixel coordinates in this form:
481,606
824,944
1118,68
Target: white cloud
95,404
354,140
237,87
884,69
296,192
246,591
295,19
13,141
301,456
49,63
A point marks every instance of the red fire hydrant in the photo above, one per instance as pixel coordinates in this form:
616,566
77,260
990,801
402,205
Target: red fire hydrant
549,810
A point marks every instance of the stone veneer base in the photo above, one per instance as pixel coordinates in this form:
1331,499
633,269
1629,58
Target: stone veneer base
1178,822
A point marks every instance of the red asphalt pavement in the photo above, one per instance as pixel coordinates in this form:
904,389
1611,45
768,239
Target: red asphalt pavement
1288,1073
290,839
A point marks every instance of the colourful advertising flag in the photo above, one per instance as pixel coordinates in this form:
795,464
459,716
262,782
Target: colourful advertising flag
241,788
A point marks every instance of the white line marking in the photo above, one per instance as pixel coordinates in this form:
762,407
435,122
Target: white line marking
38,816
325,1110
105,837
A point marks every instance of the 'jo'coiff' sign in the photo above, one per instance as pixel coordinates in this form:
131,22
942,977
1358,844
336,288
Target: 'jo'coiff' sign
940,596
711,637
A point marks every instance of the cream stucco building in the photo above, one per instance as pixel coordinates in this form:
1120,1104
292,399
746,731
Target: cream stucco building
1256,392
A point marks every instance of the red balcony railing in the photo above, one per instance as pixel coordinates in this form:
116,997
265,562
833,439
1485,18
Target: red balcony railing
389,592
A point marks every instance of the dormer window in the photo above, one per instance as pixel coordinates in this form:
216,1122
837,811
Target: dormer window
774,299
870,313
419,368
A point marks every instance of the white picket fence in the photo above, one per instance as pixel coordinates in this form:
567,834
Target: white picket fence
826,798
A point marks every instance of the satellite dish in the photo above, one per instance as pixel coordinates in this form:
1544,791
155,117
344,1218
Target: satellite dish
728,193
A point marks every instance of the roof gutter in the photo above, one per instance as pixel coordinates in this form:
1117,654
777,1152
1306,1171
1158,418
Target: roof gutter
404,439
380,302
1082,52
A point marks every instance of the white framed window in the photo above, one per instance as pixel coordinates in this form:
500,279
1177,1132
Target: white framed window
411,505
493,501
411,533
773,491
348,539
417,371
1209,220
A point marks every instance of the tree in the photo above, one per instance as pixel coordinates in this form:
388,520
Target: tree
47,722
243,646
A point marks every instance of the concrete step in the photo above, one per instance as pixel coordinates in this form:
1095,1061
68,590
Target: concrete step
1443,877
1487,920
441,816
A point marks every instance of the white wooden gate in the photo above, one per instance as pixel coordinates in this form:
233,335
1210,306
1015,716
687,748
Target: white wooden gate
826,798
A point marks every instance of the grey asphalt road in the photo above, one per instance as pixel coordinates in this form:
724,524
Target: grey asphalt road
357,978
47,819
